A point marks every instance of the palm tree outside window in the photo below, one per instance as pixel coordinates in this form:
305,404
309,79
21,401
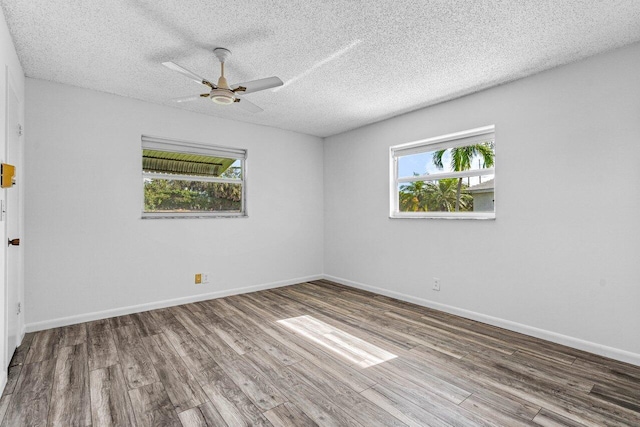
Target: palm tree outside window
450,176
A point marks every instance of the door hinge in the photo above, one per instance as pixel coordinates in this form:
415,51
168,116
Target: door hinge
19,129
19,308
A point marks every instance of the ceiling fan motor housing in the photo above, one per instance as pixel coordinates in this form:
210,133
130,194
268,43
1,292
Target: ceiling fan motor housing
222,96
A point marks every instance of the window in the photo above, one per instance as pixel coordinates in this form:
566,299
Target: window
189,180
450,176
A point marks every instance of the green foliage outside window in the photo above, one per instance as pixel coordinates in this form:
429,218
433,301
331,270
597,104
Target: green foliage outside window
178,195
436,196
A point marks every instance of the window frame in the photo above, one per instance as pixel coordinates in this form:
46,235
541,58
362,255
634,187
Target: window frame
188,147
452,140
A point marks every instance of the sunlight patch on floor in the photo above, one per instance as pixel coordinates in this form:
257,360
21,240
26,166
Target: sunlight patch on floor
352,349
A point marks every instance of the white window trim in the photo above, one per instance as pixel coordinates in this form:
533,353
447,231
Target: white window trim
189,177
445,175
179,146
452,140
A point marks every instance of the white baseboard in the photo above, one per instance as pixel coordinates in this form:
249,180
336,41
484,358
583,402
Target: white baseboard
591,347
87,317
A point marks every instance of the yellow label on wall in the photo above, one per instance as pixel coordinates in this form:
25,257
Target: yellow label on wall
8,174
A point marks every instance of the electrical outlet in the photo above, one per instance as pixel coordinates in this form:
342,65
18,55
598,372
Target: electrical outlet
198,279
436,284
205,277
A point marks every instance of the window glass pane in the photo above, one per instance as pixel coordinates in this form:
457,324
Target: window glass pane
177,196
169,162
233,171
482,191
473,157
476,194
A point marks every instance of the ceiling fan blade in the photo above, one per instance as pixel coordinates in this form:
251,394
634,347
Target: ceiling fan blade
187,98
257,85
196,78
249,106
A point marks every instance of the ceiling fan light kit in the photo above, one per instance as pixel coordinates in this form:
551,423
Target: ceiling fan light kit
222,96
222,93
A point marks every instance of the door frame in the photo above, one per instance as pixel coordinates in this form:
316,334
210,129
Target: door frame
9,87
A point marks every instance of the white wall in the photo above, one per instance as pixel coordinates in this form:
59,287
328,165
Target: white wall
10,69
87,249
562,258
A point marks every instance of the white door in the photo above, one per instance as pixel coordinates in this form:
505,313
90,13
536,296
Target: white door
12,224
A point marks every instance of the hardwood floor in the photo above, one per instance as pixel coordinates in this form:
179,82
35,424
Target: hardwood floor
310,354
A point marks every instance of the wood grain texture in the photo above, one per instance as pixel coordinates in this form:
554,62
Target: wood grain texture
235,339
317,406
152,406
406,411
315,353
256,387
229,400
136,363
44,346
288,415
73,335
12,379
491,412
188,319
205,415
30,401
120,321
20,355
146,324
101,345
4,405
110,403
352,403
70,397
194,355
549,419
181,385
216,347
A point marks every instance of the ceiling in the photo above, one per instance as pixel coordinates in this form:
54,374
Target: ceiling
344,63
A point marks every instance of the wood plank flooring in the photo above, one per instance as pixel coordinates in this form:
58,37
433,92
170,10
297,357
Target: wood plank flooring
312,354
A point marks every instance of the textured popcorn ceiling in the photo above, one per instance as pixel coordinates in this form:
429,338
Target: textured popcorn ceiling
344,63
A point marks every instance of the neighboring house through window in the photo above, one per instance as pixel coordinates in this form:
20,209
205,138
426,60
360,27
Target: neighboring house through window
483,196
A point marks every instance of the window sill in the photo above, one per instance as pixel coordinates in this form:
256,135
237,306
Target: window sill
199,215
443,215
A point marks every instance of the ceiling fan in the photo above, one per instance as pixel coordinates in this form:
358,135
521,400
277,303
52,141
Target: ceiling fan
222,93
